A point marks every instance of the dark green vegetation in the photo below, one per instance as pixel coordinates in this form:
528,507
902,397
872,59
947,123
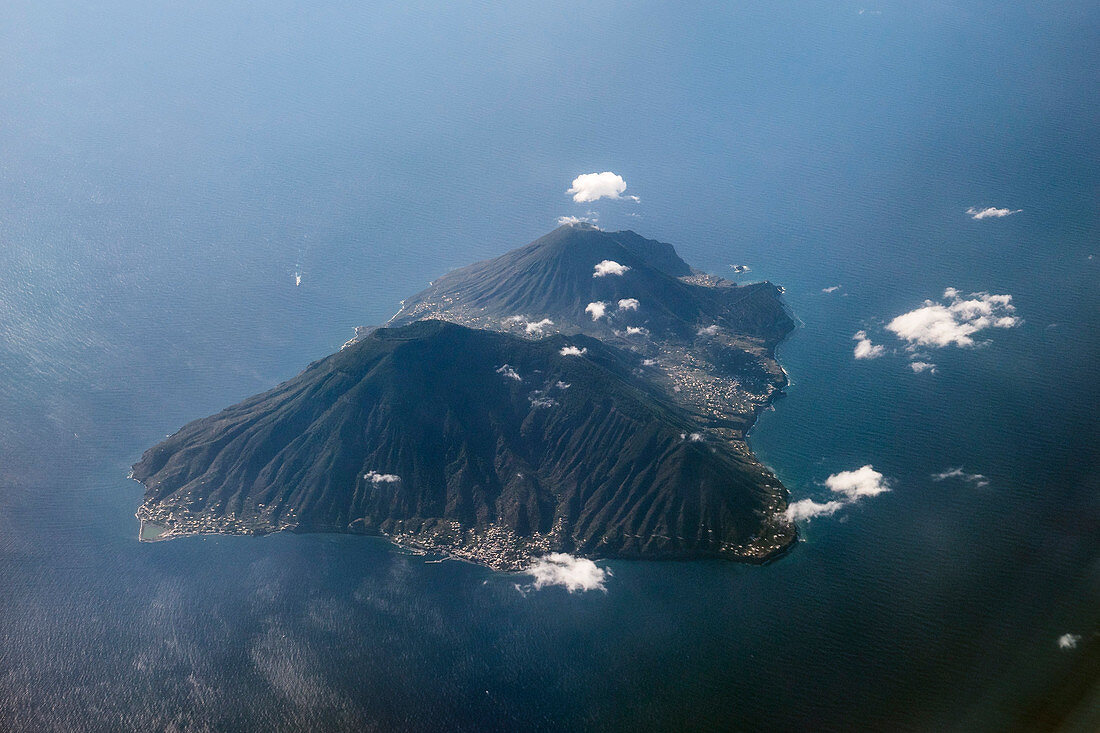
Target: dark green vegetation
496,443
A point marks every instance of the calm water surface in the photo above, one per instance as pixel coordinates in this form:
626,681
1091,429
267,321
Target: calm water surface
166,170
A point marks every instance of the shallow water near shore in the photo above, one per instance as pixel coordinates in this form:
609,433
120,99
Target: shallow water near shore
169,178
150,531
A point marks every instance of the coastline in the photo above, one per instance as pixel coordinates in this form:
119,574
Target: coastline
717,363
521,560
497,547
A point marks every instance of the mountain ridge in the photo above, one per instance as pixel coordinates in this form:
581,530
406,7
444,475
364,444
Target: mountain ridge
554,277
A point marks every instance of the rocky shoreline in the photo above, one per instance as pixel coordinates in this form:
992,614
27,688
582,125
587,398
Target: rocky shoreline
495,547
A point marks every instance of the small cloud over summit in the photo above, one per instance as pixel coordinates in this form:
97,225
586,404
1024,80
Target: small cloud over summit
609,267
629,304
381,478
582,221
990,212
595,186
573,351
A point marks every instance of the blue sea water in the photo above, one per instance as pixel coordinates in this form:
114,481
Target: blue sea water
167,169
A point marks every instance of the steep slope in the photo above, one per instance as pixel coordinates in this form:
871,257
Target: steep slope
555,277
711,341
474,443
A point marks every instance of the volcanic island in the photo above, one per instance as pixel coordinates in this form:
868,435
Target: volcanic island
588,393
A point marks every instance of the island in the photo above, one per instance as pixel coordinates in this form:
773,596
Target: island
588,393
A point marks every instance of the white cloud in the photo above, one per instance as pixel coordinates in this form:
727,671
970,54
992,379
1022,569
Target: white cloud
922,366
595,186
609,267
562,385
990,212
649,362
956,321
572,573
932,325
509,372
578,221
381,478
573,351
707,330
831,289
865,349
808,509
537,327
537,399
598,310
637,331
851,485
1069,641
629,304
975,478
864,481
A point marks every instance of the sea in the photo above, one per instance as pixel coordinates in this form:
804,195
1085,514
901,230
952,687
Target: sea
199,199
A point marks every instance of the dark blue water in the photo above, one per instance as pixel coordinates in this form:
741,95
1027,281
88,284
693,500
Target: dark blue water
166,169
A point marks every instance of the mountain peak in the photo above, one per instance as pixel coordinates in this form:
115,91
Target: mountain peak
567,280
587,241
